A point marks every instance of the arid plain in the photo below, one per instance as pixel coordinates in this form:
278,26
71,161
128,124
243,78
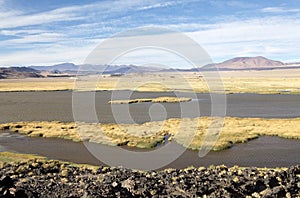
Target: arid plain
278,81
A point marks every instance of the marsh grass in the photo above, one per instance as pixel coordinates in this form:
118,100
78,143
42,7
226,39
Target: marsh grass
164,99
8,157
148,135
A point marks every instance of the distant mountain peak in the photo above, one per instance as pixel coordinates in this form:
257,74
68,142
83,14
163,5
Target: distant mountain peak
243,63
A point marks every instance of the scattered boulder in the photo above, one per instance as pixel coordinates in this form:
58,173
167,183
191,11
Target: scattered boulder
42,178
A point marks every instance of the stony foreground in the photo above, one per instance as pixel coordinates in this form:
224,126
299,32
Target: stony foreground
40,178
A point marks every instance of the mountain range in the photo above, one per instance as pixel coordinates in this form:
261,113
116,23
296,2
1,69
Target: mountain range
238,63
103,69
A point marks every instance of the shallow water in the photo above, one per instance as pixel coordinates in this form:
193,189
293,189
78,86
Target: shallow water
262,152
57,105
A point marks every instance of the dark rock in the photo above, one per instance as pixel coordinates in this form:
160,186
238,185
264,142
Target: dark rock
273,182
278,192
260,186
24,193
6,182
39,178
234,192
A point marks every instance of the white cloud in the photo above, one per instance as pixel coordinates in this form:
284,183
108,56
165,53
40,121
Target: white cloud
20,20
277,38
157,5
186,27
47,56
17,18
232,3
152,57
36,38
251,30
21,32
279,10
270,36
273,37
6,11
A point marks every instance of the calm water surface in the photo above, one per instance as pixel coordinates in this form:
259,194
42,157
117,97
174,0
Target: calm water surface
261,152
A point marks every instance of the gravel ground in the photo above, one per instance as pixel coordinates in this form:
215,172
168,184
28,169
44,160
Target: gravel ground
41,178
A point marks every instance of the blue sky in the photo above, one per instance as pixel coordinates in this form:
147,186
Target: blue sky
48,32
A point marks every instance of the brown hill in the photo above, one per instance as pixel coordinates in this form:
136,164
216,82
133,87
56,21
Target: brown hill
19,72
246,63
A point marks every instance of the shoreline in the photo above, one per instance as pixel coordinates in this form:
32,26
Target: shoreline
261,152
151,91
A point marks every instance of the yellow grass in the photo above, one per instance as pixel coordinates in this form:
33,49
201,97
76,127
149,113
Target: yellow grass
10,157
147,135
164,99
54,129
265,82
6,157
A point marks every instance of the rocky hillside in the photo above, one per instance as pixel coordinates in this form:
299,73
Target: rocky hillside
39,178
246,63
18,72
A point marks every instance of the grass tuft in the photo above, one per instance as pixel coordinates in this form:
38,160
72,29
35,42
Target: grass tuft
148,135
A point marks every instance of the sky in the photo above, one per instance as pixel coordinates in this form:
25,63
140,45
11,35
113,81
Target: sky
36,32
